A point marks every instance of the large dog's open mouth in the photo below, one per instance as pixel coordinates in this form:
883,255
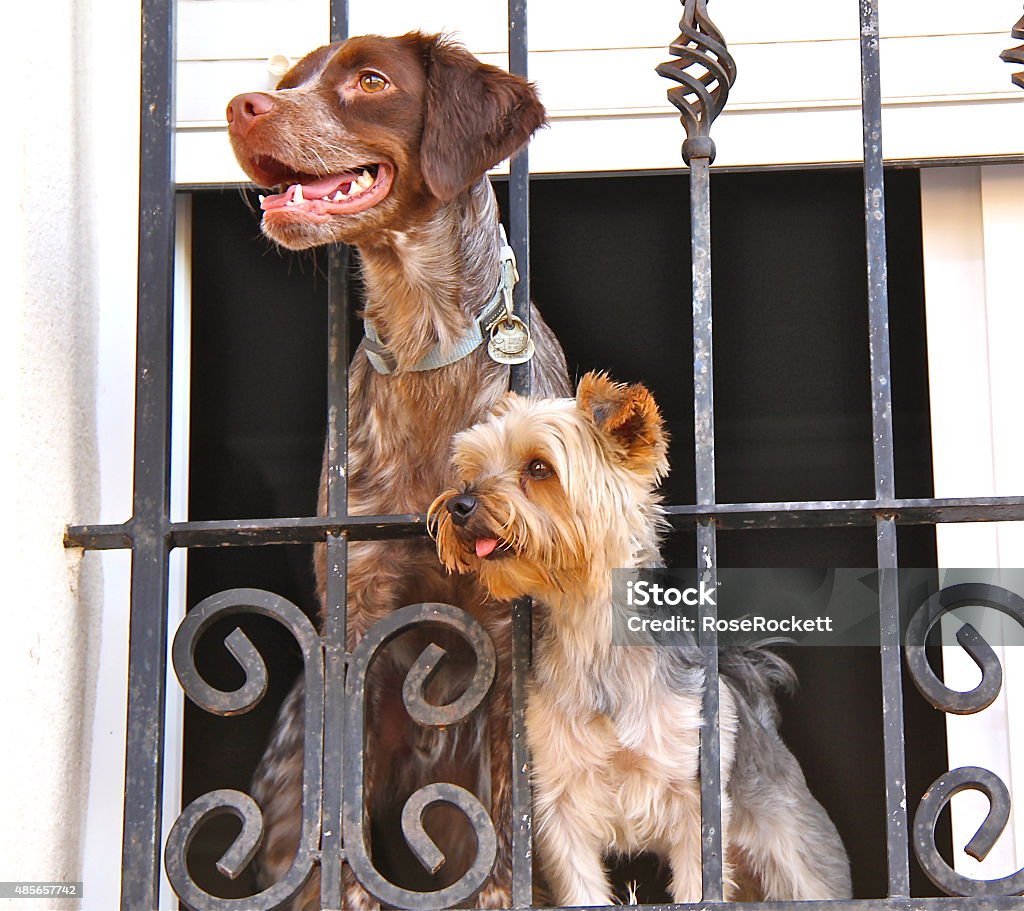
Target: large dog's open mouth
321,196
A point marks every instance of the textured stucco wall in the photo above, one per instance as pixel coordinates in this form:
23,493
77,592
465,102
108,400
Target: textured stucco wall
55,255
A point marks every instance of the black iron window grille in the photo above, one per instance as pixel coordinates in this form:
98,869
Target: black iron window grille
332,816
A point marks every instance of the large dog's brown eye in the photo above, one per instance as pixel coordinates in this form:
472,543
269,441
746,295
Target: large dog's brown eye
372,82
538,469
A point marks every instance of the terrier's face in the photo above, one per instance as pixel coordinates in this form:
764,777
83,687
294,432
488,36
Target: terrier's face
552,493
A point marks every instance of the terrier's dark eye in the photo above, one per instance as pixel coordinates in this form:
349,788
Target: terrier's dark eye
371,82
538,469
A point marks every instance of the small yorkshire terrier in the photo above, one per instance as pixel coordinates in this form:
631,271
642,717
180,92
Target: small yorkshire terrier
555,494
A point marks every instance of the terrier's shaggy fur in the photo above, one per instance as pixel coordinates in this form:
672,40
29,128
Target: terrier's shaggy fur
552,495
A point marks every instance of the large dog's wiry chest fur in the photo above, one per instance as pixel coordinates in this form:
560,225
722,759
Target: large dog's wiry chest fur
425,287
400,430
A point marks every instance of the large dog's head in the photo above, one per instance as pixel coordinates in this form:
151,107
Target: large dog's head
373,134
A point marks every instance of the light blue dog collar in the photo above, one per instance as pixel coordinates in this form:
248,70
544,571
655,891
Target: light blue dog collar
500,303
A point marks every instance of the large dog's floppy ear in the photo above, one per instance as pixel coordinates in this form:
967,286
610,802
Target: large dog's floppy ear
630,417
475,116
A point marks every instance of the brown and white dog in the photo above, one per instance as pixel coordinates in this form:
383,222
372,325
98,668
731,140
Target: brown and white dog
384,143
551,495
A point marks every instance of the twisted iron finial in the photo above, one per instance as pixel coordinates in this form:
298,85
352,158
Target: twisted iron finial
705,70
1016,54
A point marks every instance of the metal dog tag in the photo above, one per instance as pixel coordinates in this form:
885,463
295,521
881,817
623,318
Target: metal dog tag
510,342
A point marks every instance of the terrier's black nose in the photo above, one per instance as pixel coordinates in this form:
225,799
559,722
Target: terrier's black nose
462,507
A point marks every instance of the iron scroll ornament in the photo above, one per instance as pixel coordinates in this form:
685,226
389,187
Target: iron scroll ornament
705,72
218,702
430,715
972,778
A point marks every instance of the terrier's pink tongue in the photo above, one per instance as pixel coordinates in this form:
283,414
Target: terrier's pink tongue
485,546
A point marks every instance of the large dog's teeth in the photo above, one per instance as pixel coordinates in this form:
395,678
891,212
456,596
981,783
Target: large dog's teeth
326,198
297,198
261,198
364,181
339,196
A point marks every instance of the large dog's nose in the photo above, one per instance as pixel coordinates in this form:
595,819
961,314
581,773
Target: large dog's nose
244,110
462,507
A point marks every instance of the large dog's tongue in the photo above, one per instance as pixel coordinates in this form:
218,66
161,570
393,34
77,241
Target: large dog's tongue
485,546
326,186
316,189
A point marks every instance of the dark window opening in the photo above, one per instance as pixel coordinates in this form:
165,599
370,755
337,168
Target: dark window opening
610,272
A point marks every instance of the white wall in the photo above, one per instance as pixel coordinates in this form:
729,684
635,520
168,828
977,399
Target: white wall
57,270
973,235
796,99
110,34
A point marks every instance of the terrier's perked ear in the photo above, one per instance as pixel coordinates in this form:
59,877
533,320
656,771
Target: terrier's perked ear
630,418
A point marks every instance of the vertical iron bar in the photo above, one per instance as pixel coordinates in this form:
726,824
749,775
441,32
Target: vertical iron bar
897,835
522,798
520,382
703,385
339,20
335,618
335,653
885,485
140,852
874,216
704,458
710,734
519,190
705,72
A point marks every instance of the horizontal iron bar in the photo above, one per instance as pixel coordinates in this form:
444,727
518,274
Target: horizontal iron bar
989,903
282,531
247,532
839,513
730,516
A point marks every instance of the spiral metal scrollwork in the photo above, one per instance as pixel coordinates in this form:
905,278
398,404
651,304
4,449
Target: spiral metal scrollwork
1016,54
966,594
429,714
944,788
246,697
705,72
967,778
